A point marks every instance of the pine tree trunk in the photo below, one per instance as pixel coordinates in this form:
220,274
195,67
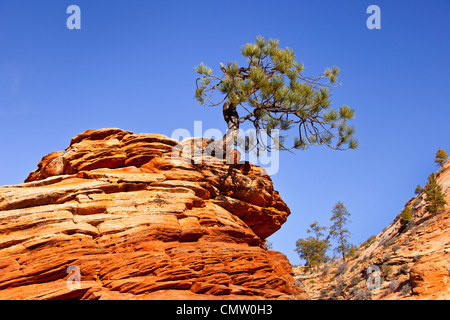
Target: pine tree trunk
342,243
225,145
230,115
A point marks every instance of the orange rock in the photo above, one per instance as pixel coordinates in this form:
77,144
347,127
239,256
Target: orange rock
416,257
140,225
430,278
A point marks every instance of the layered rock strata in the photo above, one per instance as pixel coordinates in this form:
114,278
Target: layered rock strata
413,259
115,217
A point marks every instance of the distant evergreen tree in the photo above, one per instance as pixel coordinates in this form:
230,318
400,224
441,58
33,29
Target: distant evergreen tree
441,157
434,197
313,249
338,230
306,249
418,189
352,252
405,215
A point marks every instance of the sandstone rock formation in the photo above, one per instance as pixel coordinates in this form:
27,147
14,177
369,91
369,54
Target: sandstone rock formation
139,225
414,262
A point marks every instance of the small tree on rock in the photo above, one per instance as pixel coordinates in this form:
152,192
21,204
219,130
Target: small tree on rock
313,249
405,215
338,230
418,190
434,197
441,157
271,92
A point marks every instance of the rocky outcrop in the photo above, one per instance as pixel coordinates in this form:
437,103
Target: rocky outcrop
138,225
413,260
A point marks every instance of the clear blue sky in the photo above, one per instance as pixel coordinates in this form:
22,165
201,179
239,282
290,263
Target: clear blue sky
131,66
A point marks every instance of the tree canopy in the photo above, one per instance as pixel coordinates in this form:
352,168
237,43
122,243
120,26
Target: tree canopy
434,197
338,230
313,249
406,215
418,189
272,92
441,157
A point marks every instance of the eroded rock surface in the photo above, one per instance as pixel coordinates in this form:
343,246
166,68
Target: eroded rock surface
413,260
139,225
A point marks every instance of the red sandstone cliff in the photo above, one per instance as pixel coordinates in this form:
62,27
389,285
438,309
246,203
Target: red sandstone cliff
141,226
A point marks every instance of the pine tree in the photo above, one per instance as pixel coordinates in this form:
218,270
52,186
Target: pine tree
316,229
434,197
441,157
313,249
338,230
272,92
405,215
418,189
306,250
